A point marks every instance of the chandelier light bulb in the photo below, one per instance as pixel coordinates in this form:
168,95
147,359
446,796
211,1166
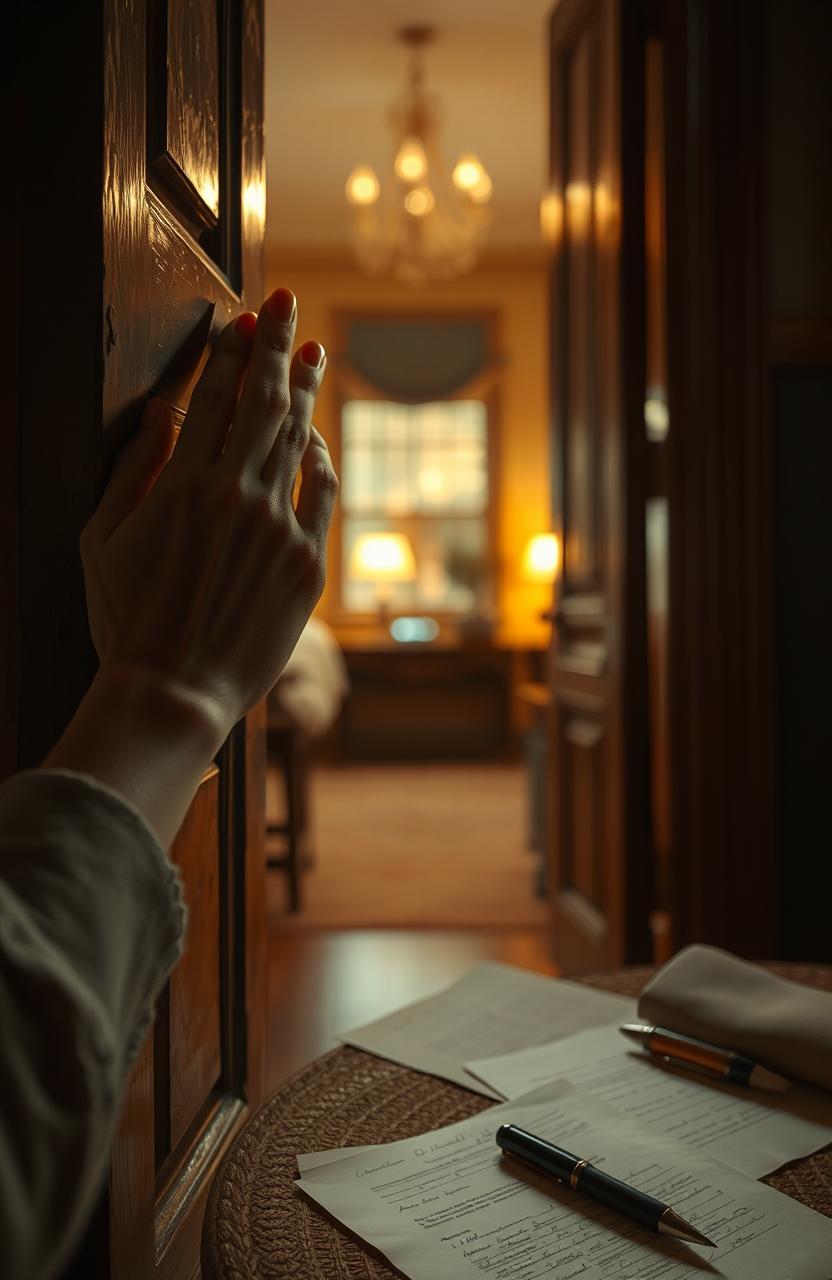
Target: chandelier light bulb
483,189
468,172
363,186
411,163
419,201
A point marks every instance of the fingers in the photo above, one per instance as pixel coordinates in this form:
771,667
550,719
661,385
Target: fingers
318,490
137,467
264,401
281,467
214,398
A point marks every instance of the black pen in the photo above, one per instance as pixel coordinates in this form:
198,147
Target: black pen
583,1176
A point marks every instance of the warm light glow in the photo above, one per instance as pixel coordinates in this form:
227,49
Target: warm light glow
578,208
656,419
481,192
604,206
254,201
210,192
363,186
551,217
432,482
419,201
382,557
468,172
541,559
411,163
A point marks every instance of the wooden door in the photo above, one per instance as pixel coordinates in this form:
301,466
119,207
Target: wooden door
599,841
141,199
184,202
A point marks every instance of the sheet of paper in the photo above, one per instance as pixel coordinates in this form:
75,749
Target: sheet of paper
493,1009
446,1205
314,1159
752,1131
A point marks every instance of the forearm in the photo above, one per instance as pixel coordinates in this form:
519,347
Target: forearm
147,740
91,921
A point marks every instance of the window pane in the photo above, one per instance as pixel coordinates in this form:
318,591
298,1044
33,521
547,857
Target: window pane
403,459
420,471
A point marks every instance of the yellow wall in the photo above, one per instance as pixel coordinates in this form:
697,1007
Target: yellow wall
518,294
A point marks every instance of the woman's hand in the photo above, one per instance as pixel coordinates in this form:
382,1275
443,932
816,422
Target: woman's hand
200,571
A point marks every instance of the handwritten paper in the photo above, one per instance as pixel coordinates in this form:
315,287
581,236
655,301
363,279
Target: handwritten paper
749,1129
491,1010
447,1205
314,1159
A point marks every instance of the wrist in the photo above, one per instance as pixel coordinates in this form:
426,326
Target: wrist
146,737
134,692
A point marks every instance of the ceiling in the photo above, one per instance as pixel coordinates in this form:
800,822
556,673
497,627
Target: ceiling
333,68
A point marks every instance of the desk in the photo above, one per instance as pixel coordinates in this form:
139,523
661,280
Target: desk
432,702
257,1227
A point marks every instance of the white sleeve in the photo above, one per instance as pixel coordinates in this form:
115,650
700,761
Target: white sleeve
91,922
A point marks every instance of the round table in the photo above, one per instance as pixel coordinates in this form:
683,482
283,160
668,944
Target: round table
259,1227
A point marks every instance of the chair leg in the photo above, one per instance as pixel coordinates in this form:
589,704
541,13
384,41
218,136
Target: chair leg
287,746
292,822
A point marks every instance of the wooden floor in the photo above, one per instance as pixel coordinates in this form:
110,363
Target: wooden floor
325,982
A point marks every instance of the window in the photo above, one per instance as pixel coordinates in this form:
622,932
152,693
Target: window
422,471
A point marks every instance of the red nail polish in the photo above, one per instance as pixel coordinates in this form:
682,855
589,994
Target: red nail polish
282,305
246,324
312,353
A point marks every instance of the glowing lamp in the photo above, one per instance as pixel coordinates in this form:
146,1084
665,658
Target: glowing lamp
541,559
483,191
419,201
382,557
411,163
468,173
385,559
363,186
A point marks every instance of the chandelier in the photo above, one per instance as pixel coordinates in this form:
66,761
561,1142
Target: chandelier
425,224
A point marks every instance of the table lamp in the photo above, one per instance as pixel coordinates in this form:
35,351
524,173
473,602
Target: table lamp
541,562
384,559
541,559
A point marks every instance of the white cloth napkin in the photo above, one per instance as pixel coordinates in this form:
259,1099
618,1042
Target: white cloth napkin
715,996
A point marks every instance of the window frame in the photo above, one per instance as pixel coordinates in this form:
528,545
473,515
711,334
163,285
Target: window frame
349,385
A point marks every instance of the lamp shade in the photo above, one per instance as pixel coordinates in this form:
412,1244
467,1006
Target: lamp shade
541,559
382,557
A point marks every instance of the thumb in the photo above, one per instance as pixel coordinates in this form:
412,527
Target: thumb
137,466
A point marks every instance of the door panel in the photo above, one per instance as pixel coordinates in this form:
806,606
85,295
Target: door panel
193,1063
597,785
176,166
582,750
580,421
190,124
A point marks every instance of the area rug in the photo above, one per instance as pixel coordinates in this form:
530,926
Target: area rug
397,846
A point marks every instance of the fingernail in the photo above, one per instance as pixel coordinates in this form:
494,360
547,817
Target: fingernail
312,354
282,305
245,326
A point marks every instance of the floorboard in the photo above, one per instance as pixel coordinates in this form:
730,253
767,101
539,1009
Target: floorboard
325,982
